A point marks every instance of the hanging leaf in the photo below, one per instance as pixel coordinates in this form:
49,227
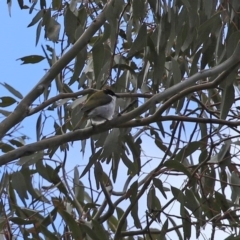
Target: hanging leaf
227,101
173,164
12,90
52,30
38,32
18,183
36,18
31,59
70,24
6,101
139,43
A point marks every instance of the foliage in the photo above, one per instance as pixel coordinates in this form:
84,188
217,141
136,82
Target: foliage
167,165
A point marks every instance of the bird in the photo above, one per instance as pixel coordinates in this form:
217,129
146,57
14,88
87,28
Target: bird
99,107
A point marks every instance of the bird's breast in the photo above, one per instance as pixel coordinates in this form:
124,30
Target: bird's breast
103,112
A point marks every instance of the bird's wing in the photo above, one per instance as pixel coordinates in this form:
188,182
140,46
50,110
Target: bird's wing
91,103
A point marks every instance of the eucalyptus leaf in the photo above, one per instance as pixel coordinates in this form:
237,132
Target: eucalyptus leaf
12,90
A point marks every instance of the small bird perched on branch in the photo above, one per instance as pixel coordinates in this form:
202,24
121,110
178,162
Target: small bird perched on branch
99,107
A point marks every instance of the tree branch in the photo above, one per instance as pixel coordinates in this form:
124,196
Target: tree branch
82,92
118,121
58,97
88,132
230,62
22,110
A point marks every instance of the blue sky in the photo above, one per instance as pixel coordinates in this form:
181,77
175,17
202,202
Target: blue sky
18,41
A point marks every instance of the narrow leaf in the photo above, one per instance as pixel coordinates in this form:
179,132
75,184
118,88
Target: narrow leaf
12,90
31,59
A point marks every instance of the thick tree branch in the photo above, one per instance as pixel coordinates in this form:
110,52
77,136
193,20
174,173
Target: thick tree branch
118,121
230,62
82,92
22,110
86,133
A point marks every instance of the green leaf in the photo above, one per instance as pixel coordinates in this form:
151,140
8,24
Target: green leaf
42,170
30,159
222,201
32,7
232,42
93,159
9,3
159,143
29,213
129,164
151,195
91,234
97,56
20,221
227,101
218,158
43,4
235,181
28,175
100,231
120,213
11,193
6,101
134,212
106,34
18,183
98,173
16,143
52,30
79,64
192,202
139,9
111,144
178,194
164,229
5,113
78,186
139,43
48,234
208,180
6,147
205,29
178,232
36,18
56,4
186,220
4,182
20,3
113,223
173,164
68,218
176,71
70,25
31,59
158,184
135,148
187,150
12,90
39,126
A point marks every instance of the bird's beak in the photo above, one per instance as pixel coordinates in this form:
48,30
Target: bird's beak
117,96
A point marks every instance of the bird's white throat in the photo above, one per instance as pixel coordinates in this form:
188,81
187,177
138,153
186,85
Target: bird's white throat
102,113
